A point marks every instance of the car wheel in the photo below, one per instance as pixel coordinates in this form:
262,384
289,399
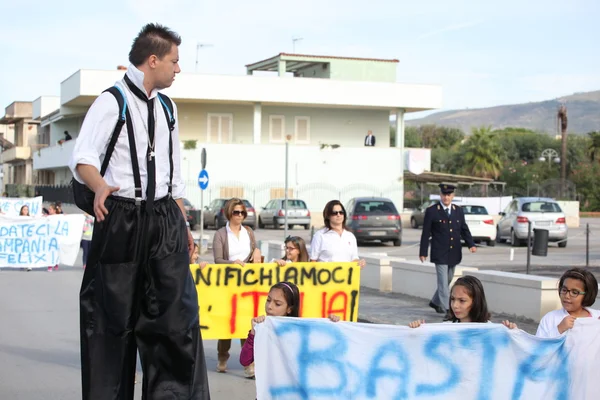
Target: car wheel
397,242
275,224
491,243
217,227
498,238
514,240
413,223
562,244
307,226
260,223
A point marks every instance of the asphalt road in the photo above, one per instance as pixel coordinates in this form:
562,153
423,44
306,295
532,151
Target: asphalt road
39,341
497,257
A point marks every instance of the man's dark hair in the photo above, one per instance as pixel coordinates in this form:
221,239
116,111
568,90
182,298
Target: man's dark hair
479,310
590,284
153,39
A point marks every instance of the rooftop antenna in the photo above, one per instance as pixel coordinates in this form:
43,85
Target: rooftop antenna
294,40
198,47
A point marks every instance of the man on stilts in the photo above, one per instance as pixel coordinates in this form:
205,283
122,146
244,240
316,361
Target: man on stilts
137,292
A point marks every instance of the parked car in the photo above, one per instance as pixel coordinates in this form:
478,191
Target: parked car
374,218
190,215
214,214
542,212
418,216
480,223
273,213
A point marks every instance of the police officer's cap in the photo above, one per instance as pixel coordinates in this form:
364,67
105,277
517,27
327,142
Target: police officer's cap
446,188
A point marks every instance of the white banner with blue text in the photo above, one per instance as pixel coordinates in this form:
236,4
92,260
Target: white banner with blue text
11,207
304,359
40,242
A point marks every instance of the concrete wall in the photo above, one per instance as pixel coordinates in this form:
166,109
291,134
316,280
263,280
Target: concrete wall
315,175
363,71
330,126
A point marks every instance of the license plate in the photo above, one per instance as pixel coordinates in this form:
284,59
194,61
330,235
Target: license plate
377,233
542,223
473,222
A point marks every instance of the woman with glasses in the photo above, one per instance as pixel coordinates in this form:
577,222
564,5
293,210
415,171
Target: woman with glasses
578,289
234,244
295,251
334,242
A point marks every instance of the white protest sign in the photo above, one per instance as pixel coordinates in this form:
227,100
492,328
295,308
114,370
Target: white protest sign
12,206
298,358
40,242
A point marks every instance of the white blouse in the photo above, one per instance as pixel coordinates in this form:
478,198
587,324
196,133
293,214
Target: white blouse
239,249
548,326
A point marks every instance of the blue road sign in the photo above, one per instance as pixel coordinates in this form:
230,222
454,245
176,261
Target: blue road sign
203,179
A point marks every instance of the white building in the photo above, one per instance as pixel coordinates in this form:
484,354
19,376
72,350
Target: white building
323,105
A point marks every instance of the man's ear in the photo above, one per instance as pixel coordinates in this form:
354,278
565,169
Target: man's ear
152,61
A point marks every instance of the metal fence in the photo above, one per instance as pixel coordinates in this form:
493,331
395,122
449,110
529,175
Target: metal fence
316,195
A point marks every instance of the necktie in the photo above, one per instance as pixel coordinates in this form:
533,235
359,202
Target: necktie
151,189
448,211
151,164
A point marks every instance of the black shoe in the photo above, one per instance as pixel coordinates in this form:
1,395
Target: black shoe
437,309
448,316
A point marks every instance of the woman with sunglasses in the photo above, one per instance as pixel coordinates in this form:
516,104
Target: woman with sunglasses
335,242
295,251
234,244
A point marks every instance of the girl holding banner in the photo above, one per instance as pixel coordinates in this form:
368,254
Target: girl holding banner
467,303
295,251
578,289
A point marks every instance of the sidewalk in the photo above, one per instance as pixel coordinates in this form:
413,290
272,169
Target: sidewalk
398,309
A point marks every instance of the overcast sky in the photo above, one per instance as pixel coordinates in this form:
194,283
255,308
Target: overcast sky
483,53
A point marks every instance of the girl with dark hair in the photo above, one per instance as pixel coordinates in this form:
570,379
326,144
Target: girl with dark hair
283,301
334,242
295,251
467,303
577,289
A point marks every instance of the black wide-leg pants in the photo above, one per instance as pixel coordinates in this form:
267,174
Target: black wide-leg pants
138,294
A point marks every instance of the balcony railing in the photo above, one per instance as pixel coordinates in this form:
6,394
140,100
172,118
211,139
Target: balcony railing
55,156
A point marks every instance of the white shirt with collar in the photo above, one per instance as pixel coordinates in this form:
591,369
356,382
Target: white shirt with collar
327,245
98,126
444,208
239,248
548,326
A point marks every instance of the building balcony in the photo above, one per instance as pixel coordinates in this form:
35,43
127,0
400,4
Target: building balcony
16,154
55,156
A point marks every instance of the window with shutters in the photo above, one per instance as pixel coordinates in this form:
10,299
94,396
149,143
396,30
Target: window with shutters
276,129
219,128
302,130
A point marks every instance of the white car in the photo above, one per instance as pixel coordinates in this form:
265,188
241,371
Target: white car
480,223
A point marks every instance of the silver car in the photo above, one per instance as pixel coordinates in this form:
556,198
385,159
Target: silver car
274,214
542,212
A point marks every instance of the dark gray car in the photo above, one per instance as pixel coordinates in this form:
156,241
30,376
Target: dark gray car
418,216
374,218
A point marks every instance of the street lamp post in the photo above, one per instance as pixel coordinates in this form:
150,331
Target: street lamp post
550,155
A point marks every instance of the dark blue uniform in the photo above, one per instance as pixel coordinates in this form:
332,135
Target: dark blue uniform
446,233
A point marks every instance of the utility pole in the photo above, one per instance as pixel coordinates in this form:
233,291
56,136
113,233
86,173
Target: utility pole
198,47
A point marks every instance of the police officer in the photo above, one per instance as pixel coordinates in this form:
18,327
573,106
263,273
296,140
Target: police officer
445,224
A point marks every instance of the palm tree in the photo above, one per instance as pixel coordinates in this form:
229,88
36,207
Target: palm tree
594,148
483,154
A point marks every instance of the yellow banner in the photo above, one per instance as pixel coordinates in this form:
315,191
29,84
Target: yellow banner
229,296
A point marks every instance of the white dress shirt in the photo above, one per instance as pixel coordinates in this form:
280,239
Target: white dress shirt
447,208
548,326
98,126
327,245
239,249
